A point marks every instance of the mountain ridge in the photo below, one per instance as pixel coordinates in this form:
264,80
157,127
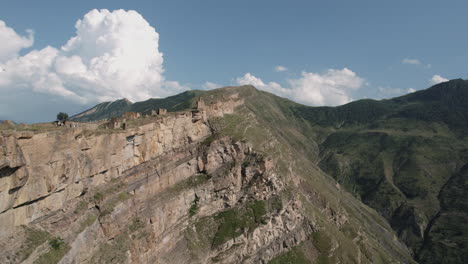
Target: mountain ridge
216,184
404,157
363,110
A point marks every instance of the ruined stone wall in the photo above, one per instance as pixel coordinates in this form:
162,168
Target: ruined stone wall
84,125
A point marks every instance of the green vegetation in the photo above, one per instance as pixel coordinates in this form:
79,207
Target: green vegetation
174,103
114,251
62,117
58,249
105,110
231,225
191,182
275,204
108,207
398,156
258,211
87,222
234,222
199,236
34,238
56,243
98,197
194,206
207,141
136,225
293,256
400,175
81,206
321,241
323,244
448,231
108,197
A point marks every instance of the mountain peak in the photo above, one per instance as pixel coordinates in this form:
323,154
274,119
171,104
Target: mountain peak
126,101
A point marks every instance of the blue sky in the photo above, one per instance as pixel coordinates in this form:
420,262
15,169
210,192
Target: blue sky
371,49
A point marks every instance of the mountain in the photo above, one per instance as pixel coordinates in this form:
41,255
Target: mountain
261,180
104,110
117,108
399,156
406,159
445,103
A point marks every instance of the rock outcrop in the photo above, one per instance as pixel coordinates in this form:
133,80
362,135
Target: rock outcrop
42,172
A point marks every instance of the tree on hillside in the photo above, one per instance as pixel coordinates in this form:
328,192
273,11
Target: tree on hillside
62,117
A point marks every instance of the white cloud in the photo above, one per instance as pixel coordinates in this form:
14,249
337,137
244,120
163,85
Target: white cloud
173,86
210,86
437,79
387,91
280,68
415,62
249,79
33,72
113,55
273,87
411,61
333,87
12,43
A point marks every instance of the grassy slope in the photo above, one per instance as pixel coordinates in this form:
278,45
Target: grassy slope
174,103
400,156
270,124
104,110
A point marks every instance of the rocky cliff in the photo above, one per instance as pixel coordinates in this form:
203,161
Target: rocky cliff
187,187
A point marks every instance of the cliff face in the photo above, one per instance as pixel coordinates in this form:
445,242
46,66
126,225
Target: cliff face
41,173
179,189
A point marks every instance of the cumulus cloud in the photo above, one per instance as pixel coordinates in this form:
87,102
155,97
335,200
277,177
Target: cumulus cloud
437,79
12,43
280,68
113,55
249,79
411,90
333,87
272,87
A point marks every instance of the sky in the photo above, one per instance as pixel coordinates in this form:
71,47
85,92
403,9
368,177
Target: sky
70,55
